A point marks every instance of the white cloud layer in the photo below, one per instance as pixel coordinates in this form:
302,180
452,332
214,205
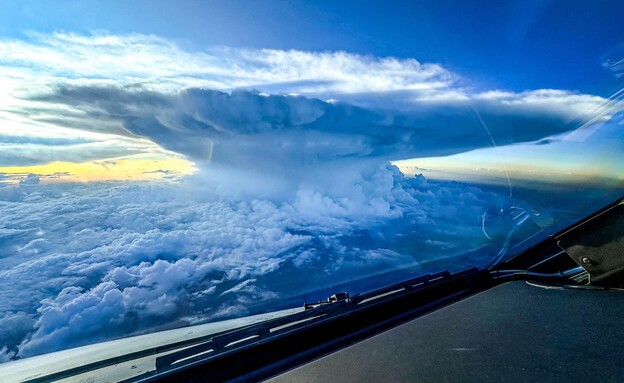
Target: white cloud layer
139,57
90,263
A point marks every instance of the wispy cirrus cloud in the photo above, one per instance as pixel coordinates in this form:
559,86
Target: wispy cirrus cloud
614,61
141,57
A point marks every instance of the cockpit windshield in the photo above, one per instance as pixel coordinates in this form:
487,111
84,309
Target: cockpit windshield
171,163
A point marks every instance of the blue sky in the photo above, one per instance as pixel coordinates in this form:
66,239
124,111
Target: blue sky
514,45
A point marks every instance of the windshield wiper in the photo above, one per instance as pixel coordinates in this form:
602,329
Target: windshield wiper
324,326
320,328
174,356
336,305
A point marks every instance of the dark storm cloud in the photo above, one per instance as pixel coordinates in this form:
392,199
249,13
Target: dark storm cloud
244,126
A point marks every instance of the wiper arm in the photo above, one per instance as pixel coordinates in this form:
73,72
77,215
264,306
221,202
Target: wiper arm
256,352
340,318
533,275
335,305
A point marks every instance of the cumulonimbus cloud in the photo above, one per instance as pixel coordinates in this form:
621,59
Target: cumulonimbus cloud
187,100
249,127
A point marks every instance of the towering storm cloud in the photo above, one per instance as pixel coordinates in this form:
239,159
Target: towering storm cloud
248,127
186,101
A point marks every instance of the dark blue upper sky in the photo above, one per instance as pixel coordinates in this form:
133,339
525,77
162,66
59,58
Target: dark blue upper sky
514,45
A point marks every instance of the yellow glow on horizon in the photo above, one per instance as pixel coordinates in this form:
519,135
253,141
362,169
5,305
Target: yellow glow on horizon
550,163
122,169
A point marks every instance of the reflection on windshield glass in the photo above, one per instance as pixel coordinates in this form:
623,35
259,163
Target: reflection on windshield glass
148,184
